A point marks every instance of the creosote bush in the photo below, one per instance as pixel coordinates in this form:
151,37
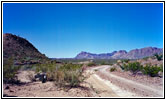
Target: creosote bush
126,60
112,69
147,70
91,64
70,75
10,71
159,57
151,70
133,67
63,75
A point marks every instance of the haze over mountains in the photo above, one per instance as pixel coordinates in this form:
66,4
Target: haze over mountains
122,54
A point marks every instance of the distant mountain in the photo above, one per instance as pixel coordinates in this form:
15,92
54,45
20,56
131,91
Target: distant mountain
143,52
122,54
86,55
19,49
119,54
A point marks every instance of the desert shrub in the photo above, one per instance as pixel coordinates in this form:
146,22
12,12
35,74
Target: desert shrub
146,69
135,67
96,70
124,67
161,67
159,57
47,67
126,60
145,58
10,71
112,69
73,78
27,67
151,70
69,75
63,75
103,63
91,64
71,66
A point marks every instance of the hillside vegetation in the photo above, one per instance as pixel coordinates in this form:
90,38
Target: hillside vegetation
151,66
21,50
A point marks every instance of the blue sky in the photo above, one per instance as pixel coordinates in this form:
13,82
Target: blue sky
65,29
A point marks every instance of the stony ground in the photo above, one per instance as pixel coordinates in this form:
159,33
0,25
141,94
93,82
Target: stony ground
48,89
99,83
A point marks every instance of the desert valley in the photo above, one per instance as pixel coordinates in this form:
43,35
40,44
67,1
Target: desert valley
29,73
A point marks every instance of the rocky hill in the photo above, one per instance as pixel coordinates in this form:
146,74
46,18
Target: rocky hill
20,49
122,54
143,52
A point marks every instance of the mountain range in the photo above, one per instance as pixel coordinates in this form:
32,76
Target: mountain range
22,49
122,54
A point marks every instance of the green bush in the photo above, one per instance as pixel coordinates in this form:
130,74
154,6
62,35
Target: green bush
134,67
126,60
112,69
159,57
96,70
151,70
161,67
104,61
145,58
69,75
10,71
63,75
91,64
124,67
47,67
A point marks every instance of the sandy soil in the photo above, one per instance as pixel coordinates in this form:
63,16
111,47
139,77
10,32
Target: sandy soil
48,89
100,83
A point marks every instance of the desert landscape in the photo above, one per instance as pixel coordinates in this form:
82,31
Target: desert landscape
83,50
83,76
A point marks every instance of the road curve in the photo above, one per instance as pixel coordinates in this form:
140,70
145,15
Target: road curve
124,87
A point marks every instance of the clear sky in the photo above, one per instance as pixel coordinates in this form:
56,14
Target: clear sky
65,29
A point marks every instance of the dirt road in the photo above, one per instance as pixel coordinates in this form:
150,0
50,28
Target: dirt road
120,86
100,83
